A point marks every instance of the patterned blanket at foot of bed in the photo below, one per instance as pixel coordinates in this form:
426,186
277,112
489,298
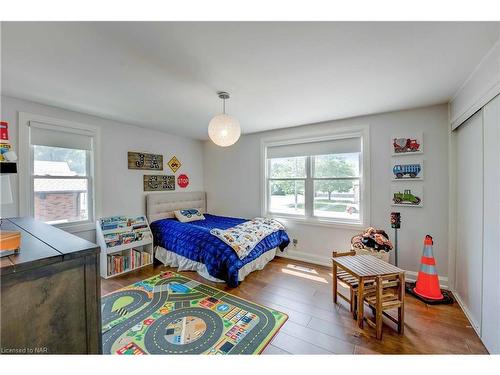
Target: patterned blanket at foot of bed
244,237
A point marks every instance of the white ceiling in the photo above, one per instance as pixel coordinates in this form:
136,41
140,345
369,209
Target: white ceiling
165,75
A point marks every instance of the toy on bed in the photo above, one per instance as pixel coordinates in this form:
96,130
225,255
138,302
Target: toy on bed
374,242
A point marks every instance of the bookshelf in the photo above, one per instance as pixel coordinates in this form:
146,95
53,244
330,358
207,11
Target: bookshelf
126,244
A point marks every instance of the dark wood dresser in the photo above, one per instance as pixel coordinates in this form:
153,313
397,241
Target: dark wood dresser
50,292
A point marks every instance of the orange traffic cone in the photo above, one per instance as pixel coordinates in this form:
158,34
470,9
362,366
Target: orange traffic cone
428,280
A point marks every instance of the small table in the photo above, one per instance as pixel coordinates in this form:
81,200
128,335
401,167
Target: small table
363,267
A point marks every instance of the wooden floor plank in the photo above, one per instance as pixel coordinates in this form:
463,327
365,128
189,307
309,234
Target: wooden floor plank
330,343
295,345
274,350
317,326
334,330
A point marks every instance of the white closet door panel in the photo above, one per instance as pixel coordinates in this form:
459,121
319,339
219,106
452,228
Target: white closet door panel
469,257
490,330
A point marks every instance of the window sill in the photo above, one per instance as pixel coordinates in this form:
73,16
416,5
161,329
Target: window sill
76,227
319,222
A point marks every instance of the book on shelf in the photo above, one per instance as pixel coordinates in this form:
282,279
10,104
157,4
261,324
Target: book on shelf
126,243
122,230
135,258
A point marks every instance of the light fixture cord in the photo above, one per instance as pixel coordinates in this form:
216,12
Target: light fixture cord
224,106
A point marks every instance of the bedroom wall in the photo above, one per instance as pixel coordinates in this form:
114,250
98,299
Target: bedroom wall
233,178
121,188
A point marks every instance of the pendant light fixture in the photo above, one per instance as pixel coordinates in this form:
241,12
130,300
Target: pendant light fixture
224,130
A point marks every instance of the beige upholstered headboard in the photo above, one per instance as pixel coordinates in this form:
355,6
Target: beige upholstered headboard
162,205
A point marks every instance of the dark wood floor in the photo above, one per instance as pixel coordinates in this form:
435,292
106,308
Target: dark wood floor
317,326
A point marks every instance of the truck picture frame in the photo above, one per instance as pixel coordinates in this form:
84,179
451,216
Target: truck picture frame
407,195
407,144
407,169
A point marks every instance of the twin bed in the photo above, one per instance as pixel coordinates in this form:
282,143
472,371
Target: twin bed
192,246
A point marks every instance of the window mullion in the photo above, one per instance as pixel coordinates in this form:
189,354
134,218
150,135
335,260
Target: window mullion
309,189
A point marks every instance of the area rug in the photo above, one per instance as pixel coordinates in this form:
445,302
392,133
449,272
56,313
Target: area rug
172,314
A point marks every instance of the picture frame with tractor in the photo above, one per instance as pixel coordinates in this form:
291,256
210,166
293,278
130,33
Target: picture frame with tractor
407,196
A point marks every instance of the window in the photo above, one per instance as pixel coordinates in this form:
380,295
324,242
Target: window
316,180
61,174
287,178
336,185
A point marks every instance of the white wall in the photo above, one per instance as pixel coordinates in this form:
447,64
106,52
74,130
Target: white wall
121,188
233,175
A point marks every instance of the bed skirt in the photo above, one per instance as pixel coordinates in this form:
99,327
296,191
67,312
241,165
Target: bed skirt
172,259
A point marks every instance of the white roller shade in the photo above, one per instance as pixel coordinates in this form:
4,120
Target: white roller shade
57,136
334,146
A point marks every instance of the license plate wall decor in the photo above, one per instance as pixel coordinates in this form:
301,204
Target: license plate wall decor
159,182
140,160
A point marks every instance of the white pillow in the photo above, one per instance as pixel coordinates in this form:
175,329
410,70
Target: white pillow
185,216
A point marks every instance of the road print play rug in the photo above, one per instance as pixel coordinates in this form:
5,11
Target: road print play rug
172,314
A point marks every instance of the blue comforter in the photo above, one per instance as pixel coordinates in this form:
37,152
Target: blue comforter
194,241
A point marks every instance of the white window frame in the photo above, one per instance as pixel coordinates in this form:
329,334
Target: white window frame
26,163
364,178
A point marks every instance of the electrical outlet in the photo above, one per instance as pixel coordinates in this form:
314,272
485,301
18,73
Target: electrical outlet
295,242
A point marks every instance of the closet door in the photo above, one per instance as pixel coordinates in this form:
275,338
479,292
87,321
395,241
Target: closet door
469,257
490,330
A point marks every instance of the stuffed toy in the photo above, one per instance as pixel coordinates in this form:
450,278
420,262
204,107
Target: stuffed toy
372,238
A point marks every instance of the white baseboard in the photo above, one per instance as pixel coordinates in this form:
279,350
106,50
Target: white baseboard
305,257
412,276
323,261
467,313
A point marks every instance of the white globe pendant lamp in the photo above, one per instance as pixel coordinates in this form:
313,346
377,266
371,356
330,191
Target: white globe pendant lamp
224,130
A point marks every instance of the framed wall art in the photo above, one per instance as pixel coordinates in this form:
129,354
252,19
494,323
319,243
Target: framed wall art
407,144
407,169
407,195
141,160
159,182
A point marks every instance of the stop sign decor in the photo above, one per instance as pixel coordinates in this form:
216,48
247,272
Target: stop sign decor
183,180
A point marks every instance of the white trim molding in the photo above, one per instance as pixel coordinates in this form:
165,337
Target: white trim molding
412,276
326,261
468,314
482,85
305,257
24,172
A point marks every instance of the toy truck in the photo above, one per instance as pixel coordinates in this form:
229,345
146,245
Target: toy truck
405,198
410,170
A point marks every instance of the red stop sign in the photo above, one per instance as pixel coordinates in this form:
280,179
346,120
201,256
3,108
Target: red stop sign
183,180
